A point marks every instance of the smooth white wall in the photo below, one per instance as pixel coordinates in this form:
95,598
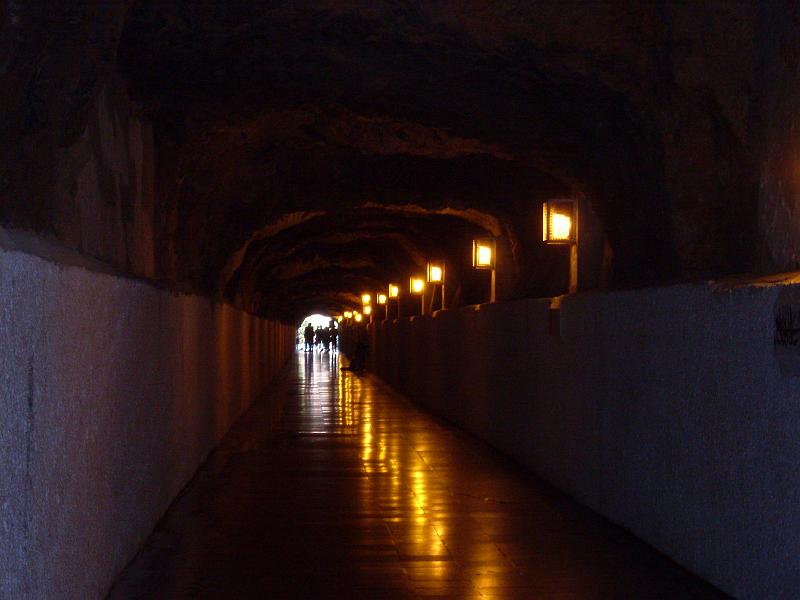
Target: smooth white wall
112,394
663,409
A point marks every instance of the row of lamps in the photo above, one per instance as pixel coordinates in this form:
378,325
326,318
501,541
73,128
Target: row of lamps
559,226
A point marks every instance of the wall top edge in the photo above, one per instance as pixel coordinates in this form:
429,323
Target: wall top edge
49,250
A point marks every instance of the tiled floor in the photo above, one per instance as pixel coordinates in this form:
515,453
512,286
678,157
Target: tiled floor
361,495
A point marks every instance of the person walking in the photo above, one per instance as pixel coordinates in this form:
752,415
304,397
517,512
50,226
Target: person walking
308,334
318,337
334,335
325,334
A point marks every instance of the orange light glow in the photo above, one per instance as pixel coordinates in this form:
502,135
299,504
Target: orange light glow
417,285
358,317
367,310
394,290
366,299
483,252
381,299
348,314
558,222
435,273
560,226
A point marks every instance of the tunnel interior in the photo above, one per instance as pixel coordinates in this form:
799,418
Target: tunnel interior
285,157
183,183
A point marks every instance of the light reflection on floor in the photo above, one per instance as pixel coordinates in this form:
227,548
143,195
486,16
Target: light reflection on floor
361,495
434,502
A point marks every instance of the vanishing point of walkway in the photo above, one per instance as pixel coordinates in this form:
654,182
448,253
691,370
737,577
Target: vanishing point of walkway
356,493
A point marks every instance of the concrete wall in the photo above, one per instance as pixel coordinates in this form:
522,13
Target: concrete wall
112,393
663,409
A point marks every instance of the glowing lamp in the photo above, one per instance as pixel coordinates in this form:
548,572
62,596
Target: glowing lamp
348,314
340,318
559,222
483,253
366,299
416,285
394,291
367,310
381,298
435,272
358,317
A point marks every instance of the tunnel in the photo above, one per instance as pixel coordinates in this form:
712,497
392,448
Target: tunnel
592,393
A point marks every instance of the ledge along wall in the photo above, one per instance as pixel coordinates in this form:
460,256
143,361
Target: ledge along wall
671,411
112,394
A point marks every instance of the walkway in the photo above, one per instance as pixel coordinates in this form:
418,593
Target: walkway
361,495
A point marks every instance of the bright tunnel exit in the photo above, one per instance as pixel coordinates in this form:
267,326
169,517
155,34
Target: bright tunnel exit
318,333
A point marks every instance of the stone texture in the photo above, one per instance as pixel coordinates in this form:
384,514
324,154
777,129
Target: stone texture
663,409
113,392
171,139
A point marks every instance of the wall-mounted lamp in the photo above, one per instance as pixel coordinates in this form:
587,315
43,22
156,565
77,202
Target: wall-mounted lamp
483,253
560,226
435,273
340,318
348,314
366,299
357,317
559,222
394,294
416,285
367,310
484,257
382,300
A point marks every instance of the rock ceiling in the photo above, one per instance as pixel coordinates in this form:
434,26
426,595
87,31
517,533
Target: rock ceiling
307,150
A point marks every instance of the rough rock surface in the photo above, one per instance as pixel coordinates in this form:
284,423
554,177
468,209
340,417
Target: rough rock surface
286,155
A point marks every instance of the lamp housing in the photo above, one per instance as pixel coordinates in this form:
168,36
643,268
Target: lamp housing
559,222
416,285
435,272
484,253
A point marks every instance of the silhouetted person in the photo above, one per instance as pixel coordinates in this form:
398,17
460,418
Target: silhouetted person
308,334
325,336
334,335
318,337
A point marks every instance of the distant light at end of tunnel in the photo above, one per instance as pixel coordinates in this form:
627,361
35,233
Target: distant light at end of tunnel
394,291
416,285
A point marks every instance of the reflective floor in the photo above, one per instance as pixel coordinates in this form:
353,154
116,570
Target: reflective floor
358,494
